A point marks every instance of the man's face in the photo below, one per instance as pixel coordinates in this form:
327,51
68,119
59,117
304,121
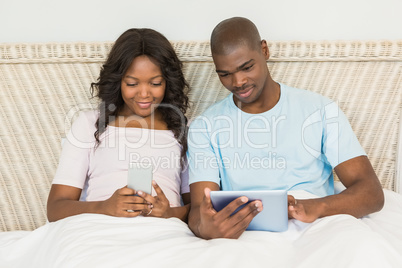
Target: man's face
244,72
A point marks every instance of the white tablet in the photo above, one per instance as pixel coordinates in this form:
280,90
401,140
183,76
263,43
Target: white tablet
273,217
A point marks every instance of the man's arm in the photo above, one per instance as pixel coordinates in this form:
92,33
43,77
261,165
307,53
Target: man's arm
207,223
363,194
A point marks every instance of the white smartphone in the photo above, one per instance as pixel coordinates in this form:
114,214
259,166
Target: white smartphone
140,176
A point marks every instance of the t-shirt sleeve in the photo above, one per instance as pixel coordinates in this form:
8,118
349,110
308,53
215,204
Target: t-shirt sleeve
202,161
74,159
339,141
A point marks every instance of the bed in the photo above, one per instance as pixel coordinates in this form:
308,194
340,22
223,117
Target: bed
43,87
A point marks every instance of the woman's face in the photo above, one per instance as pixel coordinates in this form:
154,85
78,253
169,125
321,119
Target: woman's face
142,87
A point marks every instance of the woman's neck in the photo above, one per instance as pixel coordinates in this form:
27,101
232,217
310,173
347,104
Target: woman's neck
153,121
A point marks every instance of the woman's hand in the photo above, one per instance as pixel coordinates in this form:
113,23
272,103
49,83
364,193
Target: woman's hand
124,203
63,201
158,206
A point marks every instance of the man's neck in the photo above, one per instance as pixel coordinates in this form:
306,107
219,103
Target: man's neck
266,101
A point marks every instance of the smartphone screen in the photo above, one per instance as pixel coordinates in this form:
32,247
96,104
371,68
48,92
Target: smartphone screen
140,177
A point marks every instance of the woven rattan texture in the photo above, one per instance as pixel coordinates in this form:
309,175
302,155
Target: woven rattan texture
43,86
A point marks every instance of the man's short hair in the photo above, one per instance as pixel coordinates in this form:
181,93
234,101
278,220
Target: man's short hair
232,33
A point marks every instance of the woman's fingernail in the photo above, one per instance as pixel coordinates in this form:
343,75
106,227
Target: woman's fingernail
243,199
140,193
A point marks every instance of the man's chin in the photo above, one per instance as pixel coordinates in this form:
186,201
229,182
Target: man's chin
246,100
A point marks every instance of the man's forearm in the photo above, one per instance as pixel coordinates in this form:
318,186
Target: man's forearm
363,194
358,200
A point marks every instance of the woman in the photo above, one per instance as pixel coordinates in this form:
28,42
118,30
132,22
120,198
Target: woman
141,118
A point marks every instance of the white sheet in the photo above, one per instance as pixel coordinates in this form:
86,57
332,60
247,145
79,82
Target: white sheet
92,240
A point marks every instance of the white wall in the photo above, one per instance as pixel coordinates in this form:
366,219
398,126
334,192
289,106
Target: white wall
104,20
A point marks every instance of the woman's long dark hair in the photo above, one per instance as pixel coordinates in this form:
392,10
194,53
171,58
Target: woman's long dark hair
131,44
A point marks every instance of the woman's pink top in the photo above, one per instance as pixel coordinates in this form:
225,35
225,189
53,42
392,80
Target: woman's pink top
101,171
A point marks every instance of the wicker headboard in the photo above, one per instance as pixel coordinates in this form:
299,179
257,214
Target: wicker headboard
43,86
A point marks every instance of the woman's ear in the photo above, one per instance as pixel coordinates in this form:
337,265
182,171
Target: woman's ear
265,49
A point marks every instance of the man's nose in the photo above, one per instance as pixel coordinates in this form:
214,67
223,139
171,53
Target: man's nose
238,79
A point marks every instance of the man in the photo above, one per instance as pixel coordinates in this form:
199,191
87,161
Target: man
266,135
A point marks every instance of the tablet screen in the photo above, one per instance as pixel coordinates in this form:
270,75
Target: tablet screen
273,217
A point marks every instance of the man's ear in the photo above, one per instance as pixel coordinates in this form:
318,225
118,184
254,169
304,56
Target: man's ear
265,49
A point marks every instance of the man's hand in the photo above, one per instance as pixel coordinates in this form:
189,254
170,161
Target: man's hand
363,194
212,224
303,210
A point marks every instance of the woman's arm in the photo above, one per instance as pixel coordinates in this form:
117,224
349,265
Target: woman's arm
179,212
182,212
186,198
63,201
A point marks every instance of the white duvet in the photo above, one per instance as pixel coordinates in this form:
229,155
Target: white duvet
92,240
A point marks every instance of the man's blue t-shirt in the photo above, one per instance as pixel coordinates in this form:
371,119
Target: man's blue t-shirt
293,146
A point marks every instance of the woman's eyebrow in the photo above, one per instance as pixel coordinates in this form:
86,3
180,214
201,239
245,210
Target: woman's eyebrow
132,77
